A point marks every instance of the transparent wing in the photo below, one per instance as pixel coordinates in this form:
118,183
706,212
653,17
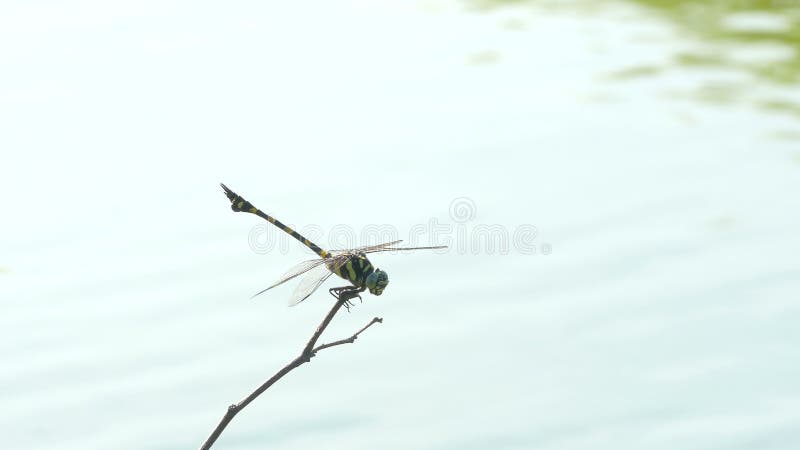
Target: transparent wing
385,247
366,248
294,272
310,282
392,249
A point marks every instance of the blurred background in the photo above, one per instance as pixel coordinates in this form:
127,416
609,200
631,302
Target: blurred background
618,182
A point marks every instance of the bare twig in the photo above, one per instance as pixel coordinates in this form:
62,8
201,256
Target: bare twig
349,340
327,320
308,352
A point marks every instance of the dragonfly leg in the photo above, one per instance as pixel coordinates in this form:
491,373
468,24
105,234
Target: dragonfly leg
345,294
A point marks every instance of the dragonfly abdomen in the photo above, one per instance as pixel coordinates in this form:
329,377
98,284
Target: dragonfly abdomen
239,204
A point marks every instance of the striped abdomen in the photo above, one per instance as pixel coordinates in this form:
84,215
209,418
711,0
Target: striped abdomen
239,204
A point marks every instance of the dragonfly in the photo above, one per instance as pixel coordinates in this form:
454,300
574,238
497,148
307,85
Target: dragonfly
352,264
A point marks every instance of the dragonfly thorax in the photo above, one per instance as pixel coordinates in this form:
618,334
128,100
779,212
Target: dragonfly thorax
355,269
358,270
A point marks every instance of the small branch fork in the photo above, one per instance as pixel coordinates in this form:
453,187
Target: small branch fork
309,351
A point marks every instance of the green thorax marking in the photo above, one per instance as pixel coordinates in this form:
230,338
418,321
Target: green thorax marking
355,270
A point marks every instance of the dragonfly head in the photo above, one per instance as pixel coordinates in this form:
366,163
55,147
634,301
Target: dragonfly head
377,281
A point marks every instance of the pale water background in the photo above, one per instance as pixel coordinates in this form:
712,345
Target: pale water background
655,146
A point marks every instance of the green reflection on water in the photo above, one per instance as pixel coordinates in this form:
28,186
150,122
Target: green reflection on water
753,23
748,22
756,38
636,72
781,106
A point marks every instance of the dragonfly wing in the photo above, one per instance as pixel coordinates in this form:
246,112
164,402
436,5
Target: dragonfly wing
366,248
393,249
310,282
295,271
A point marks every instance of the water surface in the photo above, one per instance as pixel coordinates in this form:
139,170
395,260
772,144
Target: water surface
654,146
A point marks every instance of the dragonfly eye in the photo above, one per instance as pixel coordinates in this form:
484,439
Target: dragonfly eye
377,281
